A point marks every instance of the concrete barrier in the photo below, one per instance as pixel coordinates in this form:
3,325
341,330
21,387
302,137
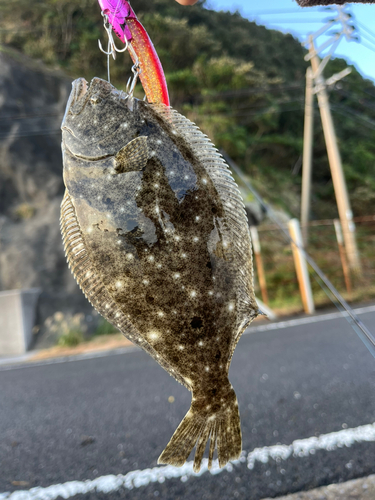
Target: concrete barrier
17,318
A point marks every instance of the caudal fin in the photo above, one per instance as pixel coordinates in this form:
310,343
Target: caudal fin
218,422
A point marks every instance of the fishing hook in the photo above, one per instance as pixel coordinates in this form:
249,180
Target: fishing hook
112,49
136,69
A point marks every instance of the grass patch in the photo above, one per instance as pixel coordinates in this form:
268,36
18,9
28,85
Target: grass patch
71,338
105,328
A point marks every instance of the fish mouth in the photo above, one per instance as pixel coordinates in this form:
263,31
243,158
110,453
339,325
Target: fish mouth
80,88
81,92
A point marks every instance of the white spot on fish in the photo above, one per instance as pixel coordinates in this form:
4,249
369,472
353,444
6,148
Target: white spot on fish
160,313
184,255
200,343
145,282
204,181
193,293
89,229
125,125
153,153
207,368
156,186
177,238
119,242
154,335
210,292
159,266
122,209
181,347
129,256
158,141
186,177
176,275
195,239
197,218
118,284
151,258
230,306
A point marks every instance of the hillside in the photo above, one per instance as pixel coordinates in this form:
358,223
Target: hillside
243,84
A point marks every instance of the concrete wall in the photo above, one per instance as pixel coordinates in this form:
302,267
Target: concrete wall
17,318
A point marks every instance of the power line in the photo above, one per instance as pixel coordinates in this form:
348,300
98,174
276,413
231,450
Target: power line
280,11
368,46
28,116
29,134
299,21
362,331
367,38
365,28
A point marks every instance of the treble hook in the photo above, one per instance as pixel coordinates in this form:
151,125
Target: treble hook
112,49
136,69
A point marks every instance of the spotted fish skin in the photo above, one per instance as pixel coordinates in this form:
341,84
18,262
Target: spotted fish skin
156,236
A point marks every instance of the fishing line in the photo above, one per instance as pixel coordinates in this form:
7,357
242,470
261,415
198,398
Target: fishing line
361,330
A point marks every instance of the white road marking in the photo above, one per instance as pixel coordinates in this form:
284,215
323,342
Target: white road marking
307,320
26,362
135,479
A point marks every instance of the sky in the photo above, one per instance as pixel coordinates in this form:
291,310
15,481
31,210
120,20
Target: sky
288,17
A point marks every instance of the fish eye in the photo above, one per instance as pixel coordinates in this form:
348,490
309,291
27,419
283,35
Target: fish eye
95,99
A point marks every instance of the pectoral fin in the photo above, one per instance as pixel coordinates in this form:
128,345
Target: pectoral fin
133,156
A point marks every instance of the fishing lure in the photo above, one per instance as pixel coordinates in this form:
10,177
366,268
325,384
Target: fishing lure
130,31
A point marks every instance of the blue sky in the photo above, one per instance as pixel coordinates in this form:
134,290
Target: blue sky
288,17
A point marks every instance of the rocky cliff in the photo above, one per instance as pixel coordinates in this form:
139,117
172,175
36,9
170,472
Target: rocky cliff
32,103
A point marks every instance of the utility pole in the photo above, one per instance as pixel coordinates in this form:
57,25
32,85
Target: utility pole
342,198
307,154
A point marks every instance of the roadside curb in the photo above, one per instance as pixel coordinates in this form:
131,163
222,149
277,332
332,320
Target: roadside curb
356,489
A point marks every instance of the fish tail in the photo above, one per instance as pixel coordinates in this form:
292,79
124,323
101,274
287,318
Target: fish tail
217,421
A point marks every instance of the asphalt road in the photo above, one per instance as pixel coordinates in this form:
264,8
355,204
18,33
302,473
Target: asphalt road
83,419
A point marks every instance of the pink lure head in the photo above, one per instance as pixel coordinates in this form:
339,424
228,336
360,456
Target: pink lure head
118,11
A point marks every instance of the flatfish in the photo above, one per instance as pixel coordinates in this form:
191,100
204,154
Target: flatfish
156,236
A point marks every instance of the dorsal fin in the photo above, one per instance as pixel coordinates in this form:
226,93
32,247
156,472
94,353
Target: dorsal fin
133,156
236,218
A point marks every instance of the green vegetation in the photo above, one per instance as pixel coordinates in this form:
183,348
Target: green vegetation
241,83
71,338
68,330
105,328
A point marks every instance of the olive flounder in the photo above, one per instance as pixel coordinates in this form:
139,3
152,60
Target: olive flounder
156,236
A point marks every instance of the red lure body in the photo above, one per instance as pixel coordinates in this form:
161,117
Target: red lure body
128,28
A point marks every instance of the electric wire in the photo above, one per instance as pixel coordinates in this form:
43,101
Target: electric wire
367,38
361,25
362,331
16,135
368,46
